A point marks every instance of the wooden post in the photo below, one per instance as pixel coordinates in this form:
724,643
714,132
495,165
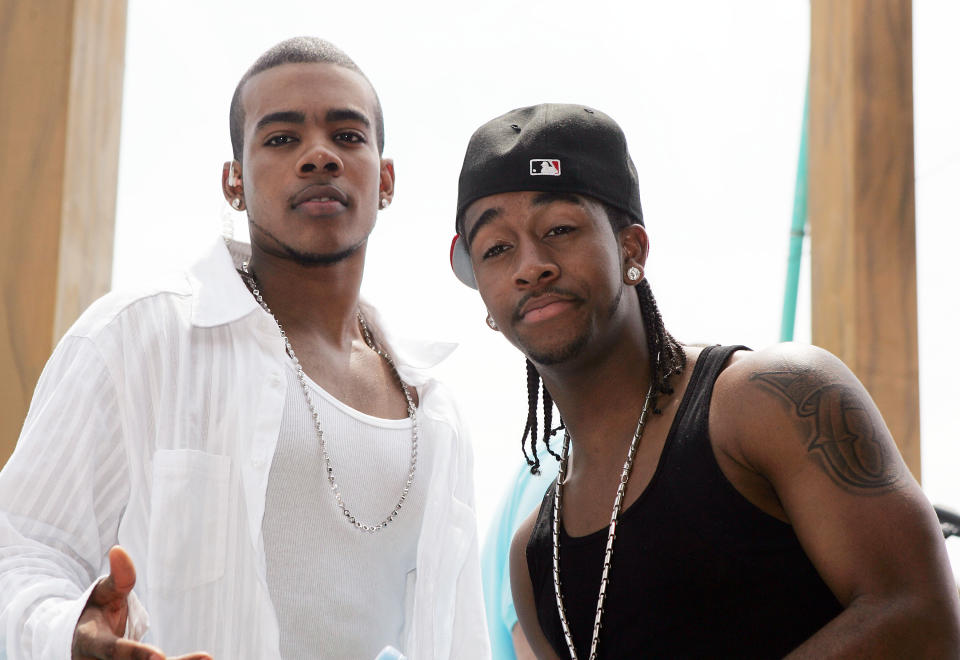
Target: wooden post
861,202
61,80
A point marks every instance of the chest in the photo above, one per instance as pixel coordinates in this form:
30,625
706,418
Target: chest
359,377
588,496
694,565
592,486
316,489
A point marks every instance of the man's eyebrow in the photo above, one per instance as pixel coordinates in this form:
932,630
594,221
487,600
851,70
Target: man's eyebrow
485,218
541,199
346,114
549,197
283,116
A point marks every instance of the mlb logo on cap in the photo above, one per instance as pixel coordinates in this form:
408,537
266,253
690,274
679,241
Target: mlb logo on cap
544,167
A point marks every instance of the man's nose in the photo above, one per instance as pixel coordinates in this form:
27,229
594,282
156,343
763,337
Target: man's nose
534,267
319,157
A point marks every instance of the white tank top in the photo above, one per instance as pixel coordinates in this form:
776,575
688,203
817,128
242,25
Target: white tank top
340,592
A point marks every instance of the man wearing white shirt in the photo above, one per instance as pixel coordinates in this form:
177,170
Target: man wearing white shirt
286,478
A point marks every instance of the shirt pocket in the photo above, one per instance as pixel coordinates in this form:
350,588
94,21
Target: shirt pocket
188,519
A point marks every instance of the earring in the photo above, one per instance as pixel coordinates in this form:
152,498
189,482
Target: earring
633,273
384,203
491,323
235,203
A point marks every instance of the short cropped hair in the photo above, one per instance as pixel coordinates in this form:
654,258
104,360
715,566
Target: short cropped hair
297,50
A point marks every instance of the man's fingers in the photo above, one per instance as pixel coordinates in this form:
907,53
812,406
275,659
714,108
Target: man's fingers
121,570
118,584
105,646
127,649
93,640
111,648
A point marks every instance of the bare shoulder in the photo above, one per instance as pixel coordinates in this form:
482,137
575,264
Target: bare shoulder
745,367
794,402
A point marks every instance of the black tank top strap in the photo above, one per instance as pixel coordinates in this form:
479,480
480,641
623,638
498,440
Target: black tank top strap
540,565
695,408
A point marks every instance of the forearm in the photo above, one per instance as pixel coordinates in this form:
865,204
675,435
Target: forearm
42,597
904,627
40,602
51,555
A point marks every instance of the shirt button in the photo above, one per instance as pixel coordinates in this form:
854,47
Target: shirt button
257,462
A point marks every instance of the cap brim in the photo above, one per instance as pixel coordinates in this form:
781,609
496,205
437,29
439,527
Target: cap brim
460,262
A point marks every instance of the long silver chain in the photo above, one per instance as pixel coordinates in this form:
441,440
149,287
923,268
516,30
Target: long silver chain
611,532
301,376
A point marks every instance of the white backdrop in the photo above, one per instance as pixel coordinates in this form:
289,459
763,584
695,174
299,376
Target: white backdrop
709,93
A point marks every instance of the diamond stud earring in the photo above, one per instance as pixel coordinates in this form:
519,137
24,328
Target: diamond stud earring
633,273
235,203
491,323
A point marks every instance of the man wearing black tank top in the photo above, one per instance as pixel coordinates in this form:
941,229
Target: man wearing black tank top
762,509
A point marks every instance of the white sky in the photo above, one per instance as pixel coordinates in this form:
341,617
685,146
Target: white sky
709,94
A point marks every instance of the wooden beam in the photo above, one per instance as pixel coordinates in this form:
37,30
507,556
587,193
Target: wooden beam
61,72
861,202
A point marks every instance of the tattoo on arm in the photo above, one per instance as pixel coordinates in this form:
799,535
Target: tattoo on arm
845,440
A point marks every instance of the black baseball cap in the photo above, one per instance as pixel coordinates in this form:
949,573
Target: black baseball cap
552,147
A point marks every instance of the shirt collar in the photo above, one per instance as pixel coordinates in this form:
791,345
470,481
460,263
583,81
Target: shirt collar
221,297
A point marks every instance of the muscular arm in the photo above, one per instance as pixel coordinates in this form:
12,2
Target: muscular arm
523,592
800,420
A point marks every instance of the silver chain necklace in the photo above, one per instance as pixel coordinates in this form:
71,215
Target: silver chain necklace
251,283
611,532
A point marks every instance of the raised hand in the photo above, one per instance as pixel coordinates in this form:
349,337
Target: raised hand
99,631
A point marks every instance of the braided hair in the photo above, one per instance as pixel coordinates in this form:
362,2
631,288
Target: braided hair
660,343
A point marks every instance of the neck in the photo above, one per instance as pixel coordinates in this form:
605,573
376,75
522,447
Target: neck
316,301
600,397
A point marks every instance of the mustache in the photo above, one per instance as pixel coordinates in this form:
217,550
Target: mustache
555,290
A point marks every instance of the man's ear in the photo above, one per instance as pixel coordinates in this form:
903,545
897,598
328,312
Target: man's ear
231,182
387,179
634,245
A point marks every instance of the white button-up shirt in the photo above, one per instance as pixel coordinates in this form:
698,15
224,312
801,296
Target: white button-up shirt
153,426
